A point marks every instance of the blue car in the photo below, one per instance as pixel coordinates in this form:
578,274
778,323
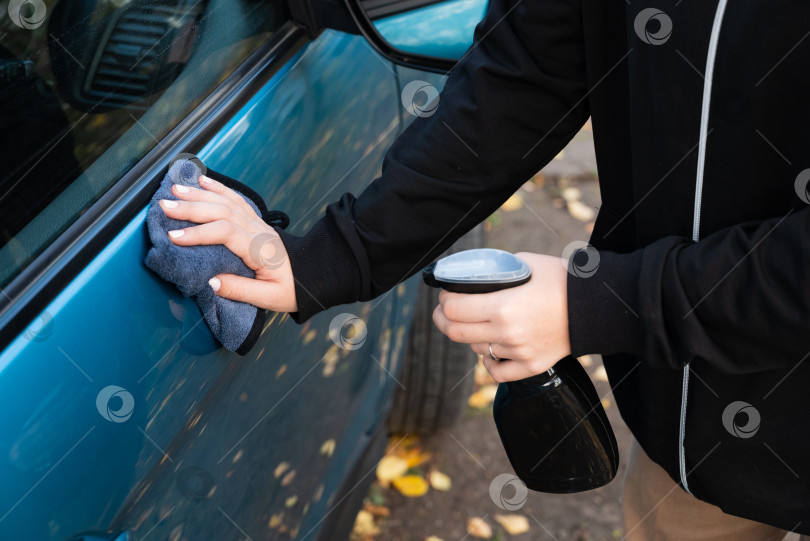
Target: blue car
123,418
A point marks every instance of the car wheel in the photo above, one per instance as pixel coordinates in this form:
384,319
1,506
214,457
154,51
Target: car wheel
437,374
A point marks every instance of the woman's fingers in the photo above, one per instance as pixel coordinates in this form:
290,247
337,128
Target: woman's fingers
201,212
464,333
211,186
234,238
508,370
499,350
469,308
275,296
230,199
261,252
225,218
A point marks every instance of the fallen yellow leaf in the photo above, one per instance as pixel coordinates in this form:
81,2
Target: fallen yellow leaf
440,481
477,527
433,538
376,510
415,457
411,486
401,443
482,377
513,203
513,524
364,525
391,467
571,194
580,211
483,397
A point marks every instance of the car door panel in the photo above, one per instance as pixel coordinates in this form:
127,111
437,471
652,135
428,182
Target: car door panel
193,441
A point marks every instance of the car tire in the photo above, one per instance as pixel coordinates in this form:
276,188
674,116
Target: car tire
437,374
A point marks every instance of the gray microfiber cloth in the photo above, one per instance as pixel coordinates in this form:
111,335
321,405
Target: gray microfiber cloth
237,325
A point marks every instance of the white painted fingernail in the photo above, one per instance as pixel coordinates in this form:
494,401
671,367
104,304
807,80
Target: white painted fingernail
205,180
168,203
214,283
177,233
180,188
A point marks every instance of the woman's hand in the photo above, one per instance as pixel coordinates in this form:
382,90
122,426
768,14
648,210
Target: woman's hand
226,218
527,325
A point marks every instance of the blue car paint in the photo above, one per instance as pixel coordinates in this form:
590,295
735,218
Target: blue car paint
443,30
273,431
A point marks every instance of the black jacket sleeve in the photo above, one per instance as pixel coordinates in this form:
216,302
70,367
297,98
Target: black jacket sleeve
509,106
737,299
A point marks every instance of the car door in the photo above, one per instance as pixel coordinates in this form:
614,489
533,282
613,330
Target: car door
121,412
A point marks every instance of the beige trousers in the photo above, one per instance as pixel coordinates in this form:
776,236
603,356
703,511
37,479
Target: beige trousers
655,508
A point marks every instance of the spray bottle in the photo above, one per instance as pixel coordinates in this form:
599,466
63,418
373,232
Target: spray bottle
552,425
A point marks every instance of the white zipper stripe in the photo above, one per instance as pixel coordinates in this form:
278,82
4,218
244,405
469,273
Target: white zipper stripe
704,133
704,114
682,433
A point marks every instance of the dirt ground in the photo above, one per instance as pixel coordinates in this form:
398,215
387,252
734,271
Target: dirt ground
540,219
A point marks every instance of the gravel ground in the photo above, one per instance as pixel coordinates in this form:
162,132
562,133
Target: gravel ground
470,452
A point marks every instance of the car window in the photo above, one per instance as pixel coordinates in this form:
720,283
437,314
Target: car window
87,88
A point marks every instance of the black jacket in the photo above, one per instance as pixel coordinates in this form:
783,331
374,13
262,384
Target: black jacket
705,343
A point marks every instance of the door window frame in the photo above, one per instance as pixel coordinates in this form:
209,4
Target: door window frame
24,298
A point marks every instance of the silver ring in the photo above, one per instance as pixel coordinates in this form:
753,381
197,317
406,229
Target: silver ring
492,355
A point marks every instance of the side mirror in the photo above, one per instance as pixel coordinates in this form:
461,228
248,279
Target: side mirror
420,34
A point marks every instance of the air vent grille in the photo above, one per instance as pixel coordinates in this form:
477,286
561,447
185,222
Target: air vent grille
128,67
